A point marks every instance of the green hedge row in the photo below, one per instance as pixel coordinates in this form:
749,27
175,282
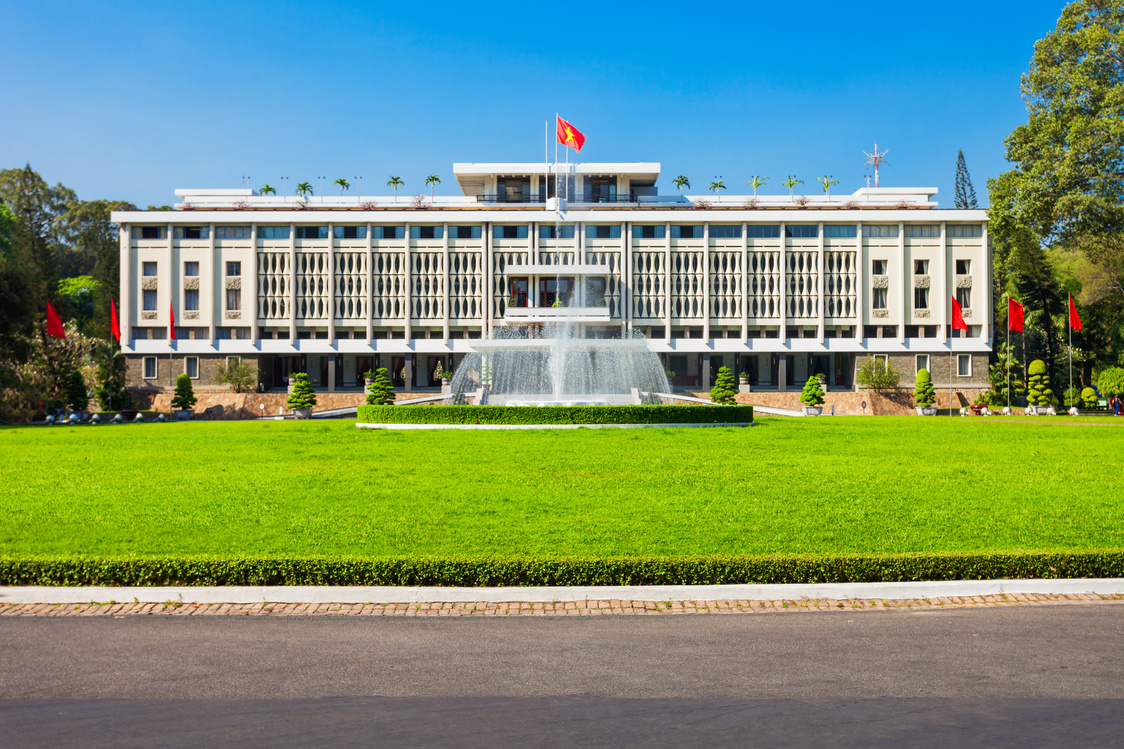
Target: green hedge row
587,571
554,414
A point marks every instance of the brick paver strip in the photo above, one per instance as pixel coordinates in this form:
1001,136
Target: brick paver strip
568,608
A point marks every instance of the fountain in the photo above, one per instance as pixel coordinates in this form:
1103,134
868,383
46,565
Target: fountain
550,365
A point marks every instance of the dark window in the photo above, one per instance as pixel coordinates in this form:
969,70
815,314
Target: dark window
801,231
386,232
150,300
273,232
921,299
350,232
687,232
193,232
556,232
426,232
464,232
839,231
965,231
648,232
518,231
923,231
879,299
149,232
878,267
149,269
763,232
921,267
725,231
963,267
312,232
612,231
234,232
233,268
191,299
234,299
191,268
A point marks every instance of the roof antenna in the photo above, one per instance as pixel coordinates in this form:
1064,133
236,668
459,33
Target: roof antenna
876,160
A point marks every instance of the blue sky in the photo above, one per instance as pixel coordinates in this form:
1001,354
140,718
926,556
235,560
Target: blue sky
132,100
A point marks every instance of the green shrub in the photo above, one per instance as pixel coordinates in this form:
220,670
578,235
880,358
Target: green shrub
1039,393
76,396
184,397
1111,381
878,374
241,377
812,395
303,396
1089,397
736,414
923,392
381,390
725,388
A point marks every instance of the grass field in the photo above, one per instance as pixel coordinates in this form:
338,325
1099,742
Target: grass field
787,486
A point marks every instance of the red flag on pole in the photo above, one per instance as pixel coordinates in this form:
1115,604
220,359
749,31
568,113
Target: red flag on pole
957,316
114,323
568,135
1014,315
172,321
54,323
1074,318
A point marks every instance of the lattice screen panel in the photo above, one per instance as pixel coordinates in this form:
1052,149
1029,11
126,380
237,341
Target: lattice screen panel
273,285
648,273
388,286
557,257
428,293
466,285
312,285
725,284
611,261
839,285
763,298
504,263
350,278
802,293
687,285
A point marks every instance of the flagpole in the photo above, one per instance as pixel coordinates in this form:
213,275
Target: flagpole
1069,314
1008,352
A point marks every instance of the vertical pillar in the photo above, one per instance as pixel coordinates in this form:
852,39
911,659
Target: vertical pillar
126,293
217,290
704,372
624,266
862,278
782,372
743,301
407,293
706,288
820,269
368,293
945,289
252,302
331,293
782,334
293,284
486,302
331,372
445,283
409,368
667,283
907,286
987,324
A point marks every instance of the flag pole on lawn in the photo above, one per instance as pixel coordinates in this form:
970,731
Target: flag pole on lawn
54,330
1074,324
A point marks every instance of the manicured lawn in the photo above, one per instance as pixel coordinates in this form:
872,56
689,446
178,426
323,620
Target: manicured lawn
787,486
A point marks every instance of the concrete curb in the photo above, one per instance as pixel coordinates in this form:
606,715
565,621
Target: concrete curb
331,594
364,425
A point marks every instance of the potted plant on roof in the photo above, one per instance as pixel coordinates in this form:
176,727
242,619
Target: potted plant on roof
924,395
812,397
302,398
183,400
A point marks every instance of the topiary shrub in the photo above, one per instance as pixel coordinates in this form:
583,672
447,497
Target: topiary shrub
878,374
381,390
1111,381
923,392
303,396
725,388
1089,397
242,378
184,397
76,397
1039,393
812,394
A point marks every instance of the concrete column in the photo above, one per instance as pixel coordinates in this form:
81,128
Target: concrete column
625,267
445,283
820,287
331,289
862,277
782,372
667,283
252,308
331,373
407,292
782,334
217,301
368,294
944,289
293,284
987,331
706,286
704,372
743,302
409,367
125,248
907,285
486,306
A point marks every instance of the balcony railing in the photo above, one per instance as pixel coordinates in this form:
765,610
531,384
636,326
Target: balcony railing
510,199
594,197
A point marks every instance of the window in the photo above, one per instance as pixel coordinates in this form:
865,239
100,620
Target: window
150,370
802,231
241,334
687,232
312,232
191,268
149,232
839,231
612,231
649,232
594,291
923,231
878,267
234,299
921,267
883,359
465,232
763,232
233,361
518,231
556,232
922,362
921,299
965,231
963,267
239,232
193,232
879,299
273,232
233,268
387,232
191,367
150,300
191,300
427,232
350,232
149,269
725,231
964,297
964,365
880,231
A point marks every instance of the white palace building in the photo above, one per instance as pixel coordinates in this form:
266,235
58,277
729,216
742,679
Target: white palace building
777,287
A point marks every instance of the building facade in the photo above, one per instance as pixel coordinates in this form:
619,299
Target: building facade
779,288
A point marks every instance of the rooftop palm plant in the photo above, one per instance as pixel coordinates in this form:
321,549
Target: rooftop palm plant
395,182
755,181
430,181
827,182
681,182
304,189
267,190
716,186
790,183
343,183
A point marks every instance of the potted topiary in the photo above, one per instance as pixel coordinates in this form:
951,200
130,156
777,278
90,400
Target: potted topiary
380,390
812,397
302,398
723,391
183,401
368,378
1089,398
743,378
924,396
1039,396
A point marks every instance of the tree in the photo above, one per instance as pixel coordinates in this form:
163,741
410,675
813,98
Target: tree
97,240
304,189
430,181
756,181
343,183
240,377
725,387
184,397
826,182
303,396
1111,381
110,391
1089,398
716,186
381,391
878,374
395,182
681,182
78,296
923,392
812,394
790,183
1039,392
77,398
267,190
965,193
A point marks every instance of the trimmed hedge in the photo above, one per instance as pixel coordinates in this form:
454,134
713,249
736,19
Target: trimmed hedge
554,414
59,571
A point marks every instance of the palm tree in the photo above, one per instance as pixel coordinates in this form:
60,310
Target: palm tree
681,182
716,186
304,189
827,182
267,190
343,183
430,181
790,183
756,181
395,182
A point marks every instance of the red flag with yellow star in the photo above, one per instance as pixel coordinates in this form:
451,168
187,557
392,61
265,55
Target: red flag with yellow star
570,136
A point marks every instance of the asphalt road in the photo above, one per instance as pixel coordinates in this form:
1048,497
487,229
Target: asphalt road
1042,676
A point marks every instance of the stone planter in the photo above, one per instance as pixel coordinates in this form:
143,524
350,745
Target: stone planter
1037,410
303,413
743,381
184,414
926,410
813,410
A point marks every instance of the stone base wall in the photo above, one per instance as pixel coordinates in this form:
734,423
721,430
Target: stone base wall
228,405
134,369
849,402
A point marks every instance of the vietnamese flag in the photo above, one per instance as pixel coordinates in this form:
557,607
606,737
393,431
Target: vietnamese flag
1014,315
1074,318
568,135
172,321
957,316
114,323
54,323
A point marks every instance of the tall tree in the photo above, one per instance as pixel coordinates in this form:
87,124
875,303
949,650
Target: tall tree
965,193
89,224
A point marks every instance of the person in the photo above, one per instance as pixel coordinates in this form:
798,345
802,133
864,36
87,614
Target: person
1114,405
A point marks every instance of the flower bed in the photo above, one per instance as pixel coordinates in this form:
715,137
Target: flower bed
503,415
